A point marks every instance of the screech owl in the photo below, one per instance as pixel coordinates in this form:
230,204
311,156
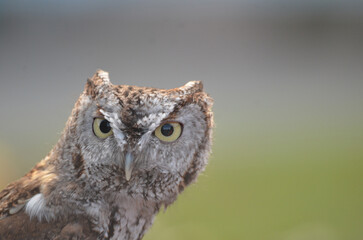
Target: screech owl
125,152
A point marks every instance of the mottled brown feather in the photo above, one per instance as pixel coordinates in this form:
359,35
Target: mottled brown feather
20,226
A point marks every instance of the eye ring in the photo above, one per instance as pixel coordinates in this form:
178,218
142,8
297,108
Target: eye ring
169,131
102,128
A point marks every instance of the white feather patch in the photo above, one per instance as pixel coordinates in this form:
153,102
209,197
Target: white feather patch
36,208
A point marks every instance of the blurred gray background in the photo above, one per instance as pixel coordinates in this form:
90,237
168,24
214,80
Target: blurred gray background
286,77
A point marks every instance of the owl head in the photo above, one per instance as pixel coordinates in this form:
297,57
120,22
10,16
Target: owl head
144,142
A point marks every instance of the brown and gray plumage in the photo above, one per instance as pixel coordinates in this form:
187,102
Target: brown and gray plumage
125,152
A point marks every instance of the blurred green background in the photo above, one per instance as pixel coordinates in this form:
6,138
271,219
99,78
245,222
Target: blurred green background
286,77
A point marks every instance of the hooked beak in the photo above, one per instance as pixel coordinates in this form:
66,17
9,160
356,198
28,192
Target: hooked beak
128,165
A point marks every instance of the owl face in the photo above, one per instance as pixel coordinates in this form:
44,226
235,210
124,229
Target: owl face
144,141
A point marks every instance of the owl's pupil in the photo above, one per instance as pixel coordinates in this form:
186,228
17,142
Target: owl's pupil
105,126
167,130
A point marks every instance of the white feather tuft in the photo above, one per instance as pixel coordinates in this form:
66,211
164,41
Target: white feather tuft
36,207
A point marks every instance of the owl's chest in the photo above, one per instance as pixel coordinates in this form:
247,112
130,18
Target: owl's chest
129,224
125,218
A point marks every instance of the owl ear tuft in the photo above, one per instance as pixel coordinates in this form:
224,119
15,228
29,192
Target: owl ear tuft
100,80
192,87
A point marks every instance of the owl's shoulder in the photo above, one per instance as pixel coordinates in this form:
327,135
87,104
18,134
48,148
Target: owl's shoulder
14,197
21,226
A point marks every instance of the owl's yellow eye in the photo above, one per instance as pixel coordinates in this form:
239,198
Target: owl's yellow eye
102,128
169,132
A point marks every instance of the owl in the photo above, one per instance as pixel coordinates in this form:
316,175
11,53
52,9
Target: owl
125,152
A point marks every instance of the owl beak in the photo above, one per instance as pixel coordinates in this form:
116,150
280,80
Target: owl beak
128,165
